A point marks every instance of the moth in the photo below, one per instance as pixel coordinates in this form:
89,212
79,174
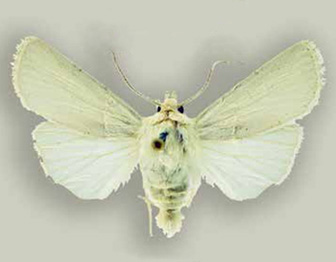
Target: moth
92,140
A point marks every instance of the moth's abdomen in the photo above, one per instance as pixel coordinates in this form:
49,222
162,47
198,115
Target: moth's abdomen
169,198
170,201
170,220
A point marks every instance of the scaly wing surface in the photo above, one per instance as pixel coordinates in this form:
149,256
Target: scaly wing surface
53,87
248,137
90,142
282,90
243,168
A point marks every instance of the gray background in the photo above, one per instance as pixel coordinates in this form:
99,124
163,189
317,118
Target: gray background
164,45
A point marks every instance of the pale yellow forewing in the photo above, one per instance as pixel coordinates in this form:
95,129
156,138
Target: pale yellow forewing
284,89
51,86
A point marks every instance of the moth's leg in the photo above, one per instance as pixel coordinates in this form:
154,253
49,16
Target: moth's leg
149,208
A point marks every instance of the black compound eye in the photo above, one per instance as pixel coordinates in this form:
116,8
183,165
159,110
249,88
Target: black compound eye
181,109
158,109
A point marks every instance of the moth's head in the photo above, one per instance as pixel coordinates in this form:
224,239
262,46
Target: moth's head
170,106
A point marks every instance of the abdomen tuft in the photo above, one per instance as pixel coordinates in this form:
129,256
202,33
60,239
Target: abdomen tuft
170,221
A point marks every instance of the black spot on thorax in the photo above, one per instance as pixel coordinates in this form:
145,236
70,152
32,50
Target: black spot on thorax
163,136
179,137
157,144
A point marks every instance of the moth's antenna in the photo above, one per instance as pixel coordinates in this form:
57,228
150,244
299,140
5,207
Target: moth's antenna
206,83
129,85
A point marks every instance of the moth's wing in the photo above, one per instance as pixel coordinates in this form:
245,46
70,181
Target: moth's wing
90,167
89,144
243,168
248,136
50,85
282,90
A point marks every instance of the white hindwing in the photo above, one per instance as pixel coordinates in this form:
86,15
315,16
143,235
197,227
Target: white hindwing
243,168
90,144
248,137
89,167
